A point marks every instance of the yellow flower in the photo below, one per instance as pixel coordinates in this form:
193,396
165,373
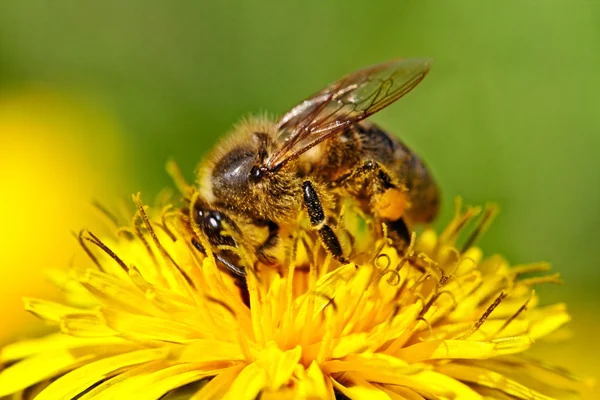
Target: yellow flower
152,317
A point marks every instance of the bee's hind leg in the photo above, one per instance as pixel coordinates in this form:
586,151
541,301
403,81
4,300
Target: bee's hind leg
262,252
387,201
318,221
399,232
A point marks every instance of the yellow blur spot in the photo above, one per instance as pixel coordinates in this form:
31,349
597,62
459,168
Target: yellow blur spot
56,155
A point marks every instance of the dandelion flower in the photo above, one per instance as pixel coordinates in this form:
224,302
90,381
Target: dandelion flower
154,317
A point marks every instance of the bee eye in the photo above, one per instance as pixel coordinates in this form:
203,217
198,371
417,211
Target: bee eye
213,223
256,174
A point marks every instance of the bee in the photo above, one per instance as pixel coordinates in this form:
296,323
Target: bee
321,152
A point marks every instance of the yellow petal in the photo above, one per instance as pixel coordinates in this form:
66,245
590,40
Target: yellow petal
85,326
333,283
78,380
73,291
142,327
248,384
389,330
48,310
117,385
400,391
429,384
54,342
361,389
116,293
548,319
426,383
279,365
219,385
210,350
492,329
443,349
37,368
548,380
414,382
157,384
490,379
152,379
371,362
312,383
354,343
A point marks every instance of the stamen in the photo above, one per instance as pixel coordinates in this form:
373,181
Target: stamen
461,259
420,298
226,306
289,290
484,317
519,270
93,239
446,292
87,250
243,340
329,332
554,278
434,265
486,219
434,295
456,226
166,230
163,217
395,311
105,212
522,309
430,329
330,301
177,175
125,233
457,260
140,235
420,281
388,262
393,274
138,201
308,244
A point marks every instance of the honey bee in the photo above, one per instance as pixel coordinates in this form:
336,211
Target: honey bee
319,153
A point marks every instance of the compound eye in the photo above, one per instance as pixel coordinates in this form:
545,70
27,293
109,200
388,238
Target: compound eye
230,175
212,223
199,215
255,174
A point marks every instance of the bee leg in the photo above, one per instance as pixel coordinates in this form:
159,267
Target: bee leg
272,240
387,200
318,221
399,232
211,222
237,272
222,259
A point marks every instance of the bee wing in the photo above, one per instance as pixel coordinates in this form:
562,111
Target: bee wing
345,102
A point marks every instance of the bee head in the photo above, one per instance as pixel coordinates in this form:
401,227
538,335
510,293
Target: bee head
234,175
213,224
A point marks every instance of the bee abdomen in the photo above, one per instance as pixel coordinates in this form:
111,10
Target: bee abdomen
408,168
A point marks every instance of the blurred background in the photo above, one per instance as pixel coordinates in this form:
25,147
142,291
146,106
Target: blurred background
96,96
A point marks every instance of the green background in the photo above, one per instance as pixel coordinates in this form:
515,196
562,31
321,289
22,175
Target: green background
508,114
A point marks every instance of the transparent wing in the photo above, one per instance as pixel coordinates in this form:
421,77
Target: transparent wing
345,102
